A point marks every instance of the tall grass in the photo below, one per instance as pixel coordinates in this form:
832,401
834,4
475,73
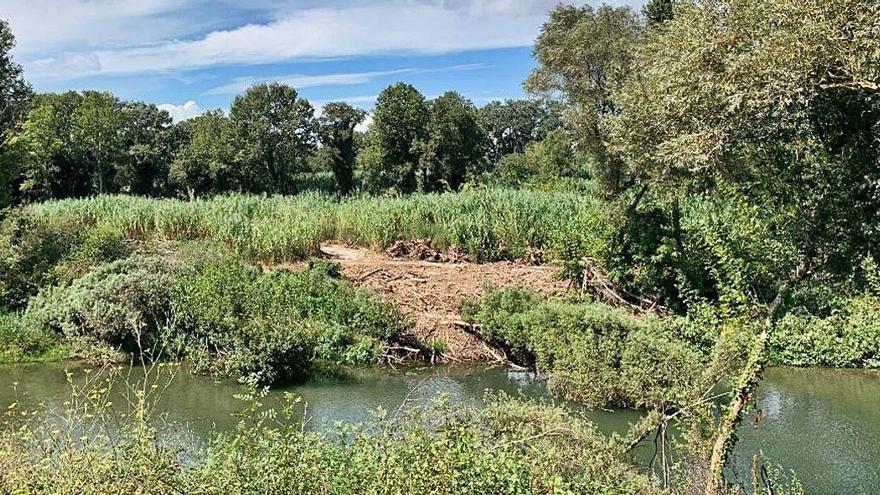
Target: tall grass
490,224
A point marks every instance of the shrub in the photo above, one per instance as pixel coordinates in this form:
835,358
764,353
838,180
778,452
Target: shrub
18,343
592,352
228,317
123,304
102,244
847,338
270,327
30,247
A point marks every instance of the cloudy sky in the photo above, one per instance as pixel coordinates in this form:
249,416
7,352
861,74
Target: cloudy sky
192,55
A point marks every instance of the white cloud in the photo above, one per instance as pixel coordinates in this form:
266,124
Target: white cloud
186,111
391,26
240,84
365,125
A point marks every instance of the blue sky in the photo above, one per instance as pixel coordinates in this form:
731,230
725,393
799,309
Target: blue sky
193,55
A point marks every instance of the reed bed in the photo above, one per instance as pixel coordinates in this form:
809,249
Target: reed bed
490,224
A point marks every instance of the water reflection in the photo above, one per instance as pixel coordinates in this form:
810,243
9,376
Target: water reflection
823,424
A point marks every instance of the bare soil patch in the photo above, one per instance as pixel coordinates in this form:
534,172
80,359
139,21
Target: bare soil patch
431,293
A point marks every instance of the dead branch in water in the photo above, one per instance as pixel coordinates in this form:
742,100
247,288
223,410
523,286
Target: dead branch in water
597,282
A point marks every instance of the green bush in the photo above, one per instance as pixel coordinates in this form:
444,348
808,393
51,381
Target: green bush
123,304
593,353
30,247
18,343
102,244
849,337
227,317
274,326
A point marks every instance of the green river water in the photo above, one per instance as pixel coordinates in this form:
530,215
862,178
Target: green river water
822,424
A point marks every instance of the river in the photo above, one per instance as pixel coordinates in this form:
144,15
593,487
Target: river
822,424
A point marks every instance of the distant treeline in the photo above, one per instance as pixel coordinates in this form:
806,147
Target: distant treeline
80,144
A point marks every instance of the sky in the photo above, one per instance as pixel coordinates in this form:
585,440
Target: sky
189,56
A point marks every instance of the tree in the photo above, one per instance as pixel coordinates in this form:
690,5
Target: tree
455,145
400,127
96,134
585,55
554,156
42,155
14,96
148,139
511,125
273,136
782,103
337,134
657,12
204,163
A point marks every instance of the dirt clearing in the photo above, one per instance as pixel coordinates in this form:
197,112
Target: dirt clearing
430,293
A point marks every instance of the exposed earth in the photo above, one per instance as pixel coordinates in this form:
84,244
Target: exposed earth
430,293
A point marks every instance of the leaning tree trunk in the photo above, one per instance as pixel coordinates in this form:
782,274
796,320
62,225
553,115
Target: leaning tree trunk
745,386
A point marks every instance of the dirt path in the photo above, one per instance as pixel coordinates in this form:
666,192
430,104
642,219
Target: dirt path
430,293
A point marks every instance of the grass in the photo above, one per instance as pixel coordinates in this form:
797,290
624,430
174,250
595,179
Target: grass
490,224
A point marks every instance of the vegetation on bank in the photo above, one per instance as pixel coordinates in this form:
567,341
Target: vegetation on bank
225,317
723,251
508,446
723,162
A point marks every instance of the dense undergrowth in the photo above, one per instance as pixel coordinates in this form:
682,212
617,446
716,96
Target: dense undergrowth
602,355
720,255
226,317
507,446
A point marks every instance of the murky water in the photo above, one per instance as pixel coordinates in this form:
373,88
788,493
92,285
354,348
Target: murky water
822,424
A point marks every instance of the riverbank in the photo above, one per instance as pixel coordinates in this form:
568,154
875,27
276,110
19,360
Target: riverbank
837,406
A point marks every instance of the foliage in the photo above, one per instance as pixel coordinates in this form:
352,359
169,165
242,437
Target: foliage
272,135
399,128
592,353
657,12
31,247
20,344
508,447
757,96
14,96
585,55
489,224
337,133
119,305
270,327
73,144
455,146
848,338
204,163
227,317
511,125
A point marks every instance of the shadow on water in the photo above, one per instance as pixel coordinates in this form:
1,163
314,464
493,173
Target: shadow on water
823,424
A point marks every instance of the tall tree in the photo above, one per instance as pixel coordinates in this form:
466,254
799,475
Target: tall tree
96,131
14,95
585,55
203,165
148,139
658,11
511,125
273,137
337,133
46,160
455,144
400,126
783,103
